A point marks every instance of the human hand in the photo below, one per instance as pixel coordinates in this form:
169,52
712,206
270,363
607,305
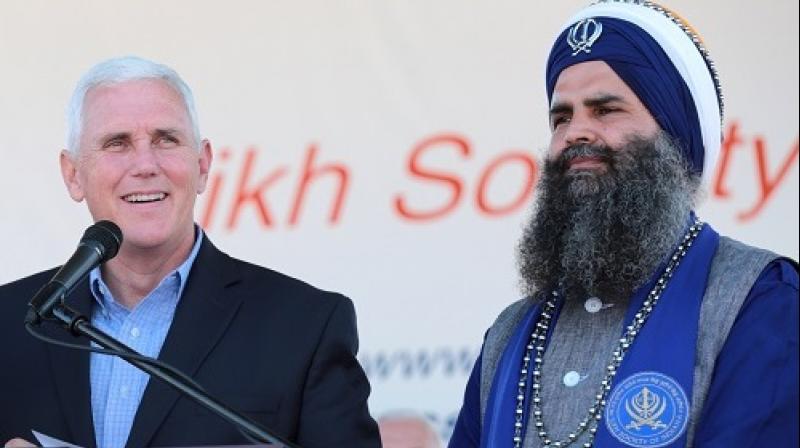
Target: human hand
18,443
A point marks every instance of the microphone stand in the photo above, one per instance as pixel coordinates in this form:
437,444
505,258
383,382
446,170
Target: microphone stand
78,325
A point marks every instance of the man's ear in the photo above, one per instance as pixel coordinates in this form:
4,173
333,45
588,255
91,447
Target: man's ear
69,172
206,156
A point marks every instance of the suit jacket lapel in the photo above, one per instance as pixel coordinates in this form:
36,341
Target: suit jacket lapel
201,318
71,373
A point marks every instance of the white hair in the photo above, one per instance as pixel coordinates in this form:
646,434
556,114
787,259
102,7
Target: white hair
117,71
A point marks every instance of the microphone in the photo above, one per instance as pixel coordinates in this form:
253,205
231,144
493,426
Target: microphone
100,243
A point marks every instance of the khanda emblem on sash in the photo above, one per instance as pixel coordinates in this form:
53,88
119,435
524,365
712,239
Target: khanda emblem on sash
583,35
645,409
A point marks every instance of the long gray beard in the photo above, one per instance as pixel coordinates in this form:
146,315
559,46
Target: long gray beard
604,233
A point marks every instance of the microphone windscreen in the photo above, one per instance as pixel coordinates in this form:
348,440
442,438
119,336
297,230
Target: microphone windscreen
106,235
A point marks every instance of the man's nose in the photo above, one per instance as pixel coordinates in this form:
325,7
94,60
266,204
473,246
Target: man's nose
580,130
145,159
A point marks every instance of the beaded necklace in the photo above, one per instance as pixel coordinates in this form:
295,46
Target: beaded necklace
538,343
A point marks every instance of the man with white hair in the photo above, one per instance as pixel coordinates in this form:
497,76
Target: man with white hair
642,327
272,347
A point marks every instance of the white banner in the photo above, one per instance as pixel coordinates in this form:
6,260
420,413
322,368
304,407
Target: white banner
384,149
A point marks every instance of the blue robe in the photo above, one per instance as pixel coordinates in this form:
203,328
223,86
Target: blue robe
753,397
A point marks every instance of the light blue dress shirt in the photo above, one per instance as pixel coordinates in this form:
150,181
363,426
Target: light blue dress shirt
116,386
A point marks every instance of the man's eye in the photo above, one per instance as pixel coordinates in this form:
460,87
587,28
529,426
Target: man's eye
114,145
558,121
167,141
605,110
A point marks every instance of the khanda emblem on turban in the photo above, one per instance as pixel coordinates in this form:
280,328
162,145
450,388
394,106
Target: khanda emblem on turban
645,409
583,35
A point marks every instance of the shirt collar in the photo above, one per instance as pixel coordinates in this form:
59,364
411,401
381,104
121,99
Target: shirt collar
102,295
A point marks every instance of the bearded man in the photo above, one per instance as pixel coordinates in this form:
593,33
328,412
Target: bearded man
641,325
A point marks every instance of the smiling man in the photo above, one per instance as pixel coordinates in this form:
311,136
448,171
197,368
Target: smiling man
641,326
274,348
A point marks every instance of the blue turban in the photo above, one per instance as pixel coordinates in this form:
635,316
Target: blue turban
678,89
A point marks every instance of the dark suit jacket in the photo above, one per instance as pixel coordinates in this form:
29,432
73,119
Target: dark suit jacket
278,350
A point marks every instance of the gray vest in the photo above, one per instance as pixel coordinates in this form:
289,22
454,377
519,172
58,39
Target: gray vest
734,269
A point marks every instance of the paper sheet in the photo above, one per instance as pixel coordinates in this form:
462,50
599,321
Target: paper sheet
51,442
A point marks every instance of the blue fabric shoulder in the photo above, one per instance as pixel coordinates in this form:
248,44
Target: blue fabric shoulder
467,431
753,397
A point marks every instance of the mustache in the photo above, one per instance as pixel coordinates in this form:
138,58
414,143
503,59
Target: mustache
560,163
